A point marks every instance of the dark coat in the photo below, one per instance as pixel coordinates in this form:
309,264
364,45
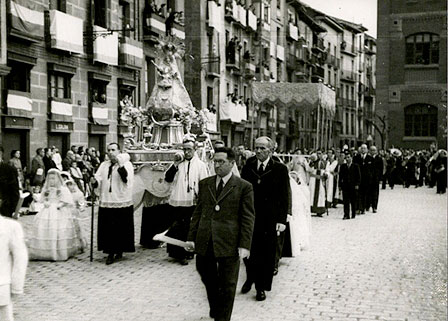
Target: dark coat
366,167
378,168
231,226
9,189
49,164
271,207
349,177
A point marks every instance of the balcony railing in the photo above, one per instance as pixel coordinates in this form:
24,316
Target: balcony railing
348,75
249,69
348,102
292,32
213,69
319,45
154,26
291,61
318,71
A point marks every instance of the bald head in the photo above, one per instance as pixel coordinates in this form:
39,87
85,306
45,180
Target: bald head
373,150
363,149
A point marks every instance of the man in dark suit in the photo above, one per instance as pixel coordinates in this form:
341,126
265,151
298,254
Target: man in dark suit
270,181
365,162
221,232
349,181
377,174
9,187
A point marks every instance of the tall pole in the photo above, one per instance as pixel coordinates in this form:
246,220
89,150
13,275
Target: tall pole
318,119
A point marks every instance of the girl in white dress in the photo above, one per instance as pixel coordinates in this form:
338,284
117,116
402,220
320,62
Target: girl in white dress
53,235
300,220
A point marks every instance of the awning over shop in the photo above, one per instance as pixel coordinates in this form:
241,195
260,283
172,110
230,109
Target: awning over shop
301,95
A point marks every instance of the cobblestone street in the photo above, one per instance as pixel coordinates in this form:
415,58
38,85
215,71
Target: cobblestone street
385,266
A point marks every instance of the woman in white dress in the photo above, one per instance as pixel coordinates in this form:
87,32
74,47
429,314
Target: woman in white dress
53,235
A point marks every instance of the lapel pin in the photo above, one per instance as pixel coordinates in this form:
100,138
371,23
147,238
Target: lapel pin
217,208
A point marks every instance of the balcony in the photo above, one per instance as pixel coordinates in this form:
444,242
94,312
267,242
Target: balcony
369,92
302,73
319,46
19,103
361,89
154,26
333,61
131,53
348,103
292,32
265,31
231,11
213,68
249,70
318,73
291,61
105,48
251,21
348,48
66,32
178,31
242,15
348,75
233,60
280,53
25,22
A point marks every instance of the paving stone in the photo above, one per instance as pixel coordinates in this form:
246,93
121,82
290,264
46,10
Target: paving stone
385,266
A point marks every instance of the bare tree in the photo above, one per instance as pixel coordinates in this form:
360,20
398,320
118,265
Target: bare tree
381,124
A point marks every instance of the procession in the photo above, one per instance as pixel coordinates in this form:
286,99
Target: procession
222,159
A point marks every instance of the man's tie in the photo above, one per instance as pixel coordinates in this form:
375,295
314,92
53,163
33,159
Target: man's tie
220,187
261,169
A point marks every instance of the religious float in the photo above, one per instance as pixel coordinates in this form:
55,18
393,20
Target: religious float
155,137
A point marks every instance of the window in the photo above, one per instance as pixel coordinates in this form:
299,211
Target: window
60,85
347,120
266,13
59,5
98,91
125,18
279,37
209,96
100,13
420,120
422,49
150,76
19,76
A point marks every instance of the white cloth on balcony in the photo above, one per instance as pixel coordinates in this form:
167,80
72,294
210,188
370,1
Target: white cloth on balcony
61,108
105,48
66,32
214,16
19,102
252,20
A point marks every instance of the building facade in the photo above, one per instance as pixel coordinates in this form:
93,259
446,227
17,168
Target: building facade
69,66
412,73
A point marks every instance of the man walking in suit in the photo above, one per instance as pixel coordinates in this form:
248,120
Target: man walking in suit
221,232
349,181
365,162
270,181
377,173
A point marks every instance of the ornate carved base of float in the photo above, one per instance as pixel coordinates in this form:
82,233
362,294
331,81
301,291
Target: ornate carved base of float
169,135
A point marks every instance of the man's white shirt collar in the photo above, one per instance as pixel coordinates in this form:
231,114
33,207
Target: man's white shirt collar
265,163
224,179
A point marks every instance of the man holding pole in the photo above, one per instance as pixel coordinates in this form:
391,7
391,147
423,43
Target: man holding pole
115,178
